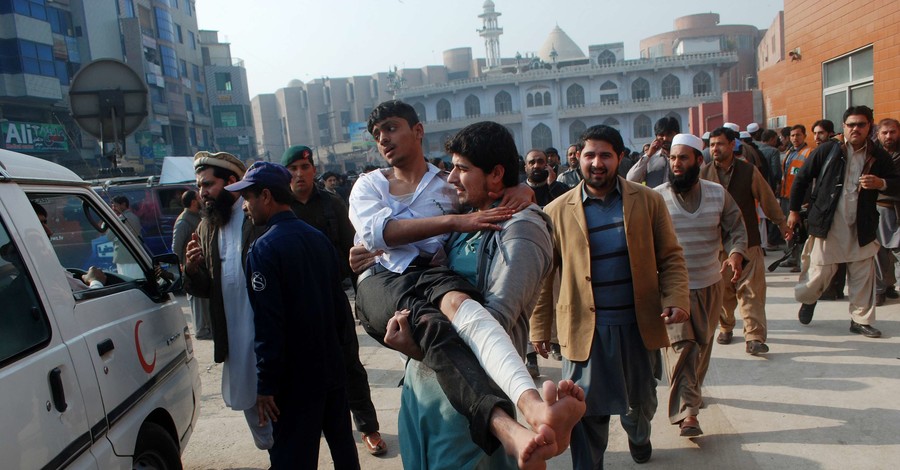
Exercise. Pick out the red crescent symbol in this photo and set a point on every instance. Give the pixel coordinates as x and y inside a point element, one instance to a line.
<point>148,368</point>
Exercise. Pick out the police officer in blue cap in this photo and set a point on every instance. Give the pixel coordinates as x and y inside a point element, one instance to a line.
<point>294,284</point>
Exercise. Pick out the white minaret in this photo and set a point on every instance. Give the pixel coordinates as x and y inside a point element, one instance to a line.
<point>491,34</point>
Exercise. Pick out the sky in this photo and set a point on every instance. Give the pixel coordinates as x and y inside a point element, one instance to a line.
<point>282,40</point>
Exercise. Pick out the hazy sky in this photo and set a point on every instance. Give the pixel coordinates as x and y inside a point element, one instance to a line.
<point>281,40</point>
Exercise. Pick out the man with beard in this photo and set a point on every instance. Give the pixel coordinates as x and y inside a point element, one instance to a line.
<point>823,131</point>
<point>653,166</point>
<point>618,290</point>
<point>299,309</point>
<point>843,219</point>
<point>705,218</point>
<point>748,188</point>
<point>537,174</point>
<point>214,269</point>
<point>572,175</point>
<point>326,212</point>
<point>185,225</point>
<point>888,211</point>
<point>552,159</point>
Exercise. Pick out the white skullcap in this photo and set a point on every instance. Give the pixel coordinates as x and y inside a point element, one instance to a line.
<point>688,139</point>
<point>745,135</point>
<point>732,126</point>
<point>752,127</point>
<point>706,136</point>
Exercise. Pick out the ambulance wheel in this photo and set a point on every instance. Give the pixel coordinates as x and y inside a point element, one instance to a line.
<point>155,450</point>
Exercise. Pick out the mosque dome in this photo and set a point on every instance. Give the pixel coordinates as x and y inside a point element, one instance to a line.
<point>565,47</point>
<point>295,83</point>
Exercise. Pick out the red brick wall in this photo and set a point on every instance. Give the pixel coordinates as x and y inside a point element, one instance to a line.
<point>824,31</point>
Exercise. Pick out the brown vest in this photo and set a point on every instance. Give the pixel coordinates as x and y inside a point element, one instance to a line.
<point>741,189</point>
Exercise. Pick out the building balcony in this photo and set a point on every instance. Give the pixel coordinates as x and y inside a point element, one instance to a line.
<point>589,70</point>
<point>635,106</point>
<point>443,125</point>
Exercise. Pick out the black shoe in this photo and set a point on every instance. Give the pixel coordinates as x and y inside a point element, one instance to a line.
<point>806,313</point>
<point>891,293</point>
<point>531,365</point>
<point>724,337</point>
<point>755,348</point>
<point>640,453</point>
<point>868,331</point>
<point>879,299</point>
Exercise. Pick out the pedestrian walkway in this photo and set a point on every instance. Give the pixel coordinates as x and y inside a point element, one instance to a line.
<point>823,398</point>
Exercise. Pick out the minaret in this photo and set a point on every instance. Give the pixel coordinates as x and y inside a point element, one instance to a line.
<point>491,34</point>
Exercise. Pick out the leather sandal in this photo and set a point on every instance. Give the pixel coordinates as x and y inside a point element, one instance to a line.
<point>374,444</point>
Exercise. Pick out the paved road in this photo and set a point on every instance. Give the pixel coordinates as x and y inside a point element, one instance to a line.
<point>823,398</point>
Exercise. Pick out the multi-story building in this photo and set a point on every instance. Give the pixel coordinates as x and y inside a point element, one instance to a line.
<point>820,60</point>
<point>545,99</point>
<point>228,98</point>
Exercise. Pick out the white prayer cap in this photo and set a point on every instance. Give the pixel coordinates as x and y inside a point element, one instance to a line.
<point>688,139</point>
<point>732,126</point>
<point>706,136</point>
<point>752,127</point>
<point>745,135</point>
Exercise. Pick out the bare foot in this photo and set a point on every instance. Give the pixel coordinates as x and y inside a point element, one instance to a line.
<point>531,450</point>
<point>564,407</point>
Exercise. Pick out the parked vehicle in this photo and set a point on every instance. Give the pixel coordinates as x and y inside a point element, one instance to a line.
<point>100,377</point>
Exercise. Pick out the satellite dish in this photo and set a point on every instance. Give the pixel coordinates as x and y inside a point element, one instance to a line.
<point>108,101</point>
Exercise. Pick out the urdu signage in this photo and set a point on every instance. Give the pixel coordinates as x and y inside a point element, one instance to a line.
<point>32,137</point>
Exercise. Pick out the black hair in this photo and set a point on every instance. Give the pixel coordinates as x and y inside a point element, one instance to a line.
<point>188,197</point>
<point>281,194</point>
<point>824,124</point>
<point>392,108</point>
<point>218,172</point>
<point>799,127</point>
<point>122,200</point>
<point>768,134</point>
<point>551,150</point>
<point>606,134</point>
<point>487,144</point>
<point>38,209</point>
<point>889,121</point>
<point>786,131</point>
<point>861,111</point>
<point>666,125</point>
<point>329,174</point>
<point>722,131</point>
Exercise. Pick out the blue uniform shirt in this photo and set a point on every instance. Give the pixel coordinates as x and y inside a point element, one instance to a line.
<point>293,279</point>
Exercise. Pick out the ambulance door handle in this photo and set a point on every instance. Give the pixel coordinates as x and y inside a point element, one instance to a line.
<point>105,346</point>
<point>56,390</point>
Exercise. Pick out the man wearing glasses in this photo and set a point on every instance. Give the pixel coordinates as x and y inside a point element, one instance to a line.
<point>843,218</point>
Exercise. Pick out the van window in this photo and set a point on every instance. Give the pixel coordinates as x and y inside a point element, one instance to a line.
<point>83,237</point>
<point>23,325</point>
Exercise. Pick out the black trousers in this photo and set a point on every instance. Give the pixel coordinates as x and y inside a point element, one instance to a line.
<point>305,417</point>
<point>467,386</point>
<point>358,393</point>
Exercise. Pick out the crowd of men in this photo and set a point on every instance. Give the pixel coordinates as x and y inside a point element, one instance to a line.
<point>474,269</point>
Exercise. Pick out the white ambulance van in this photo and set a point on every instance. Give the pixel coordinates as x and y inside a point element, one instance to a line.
<point>98,375</point>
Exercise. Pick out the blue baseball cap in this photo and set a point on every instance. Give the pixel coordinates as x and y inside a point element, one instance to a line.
<point>265,174</point>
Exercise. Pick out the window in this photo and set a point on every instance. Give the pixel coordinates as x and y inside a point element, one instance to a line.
<point>642,127</point>
<point>702,84</point>
<point>179,34</point>
<point>606,58</point>
<point>188,103</point>
<point>611,122</point>
<point>192,135</point>
<point>502,103</point>
<point>538,99</point>
<point>575,96</point>
<point>169,61</point>
<point>228,116</point>
<point>529,100</point>
<point>541,137</point>
<point>223,81</point>
<point>33,8</point>
<point>443,110</point>
<point>575,130</point>
<point>848,81</point>
<point>640,90</point>
<point>60,21</point>
<point>420,111</point>
<point>671,87</point>
<point>23,324</point>
<point>196,69</point>
<point>36,59</point>
<point>473,106</point>
<point>609,93</point>
<point>547,98</point>
<point>192,39</point>
<point>184,72</point>
<point>164,27</point>
<point>201,108</point>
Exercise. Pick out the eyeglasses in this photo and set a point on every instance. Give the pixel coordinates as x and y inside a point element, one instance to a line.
<point>851,125</point>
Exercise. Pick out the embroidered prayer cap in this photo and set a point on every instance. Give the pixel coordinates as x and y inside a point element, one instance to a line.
<point>220,159</point>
